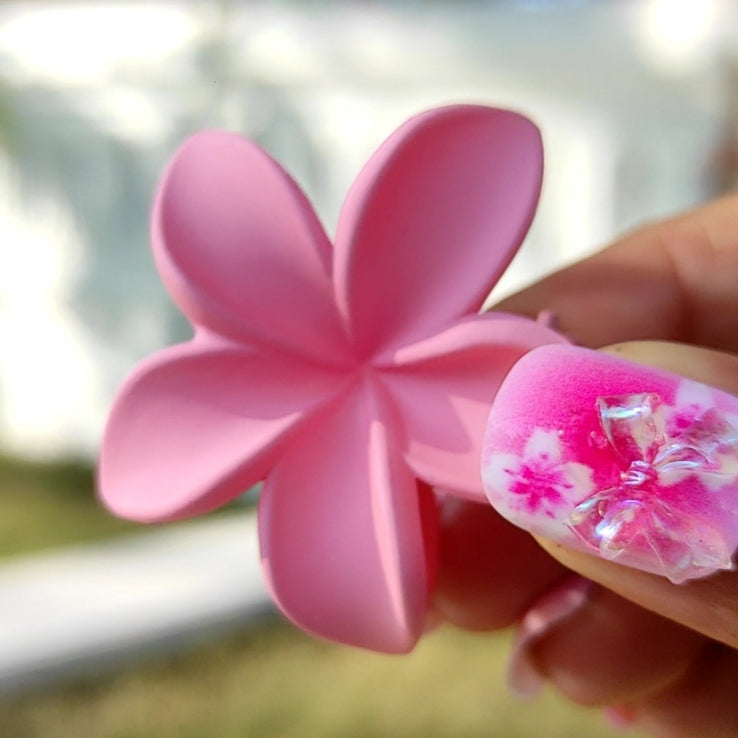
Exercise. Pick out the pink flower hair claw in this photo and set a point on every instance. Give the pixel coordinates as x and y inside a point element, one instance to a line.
<point>350,378</point>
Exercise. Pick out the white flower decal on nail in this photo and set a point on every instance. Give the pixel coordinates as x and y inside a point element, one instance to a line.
<point>538,482</point>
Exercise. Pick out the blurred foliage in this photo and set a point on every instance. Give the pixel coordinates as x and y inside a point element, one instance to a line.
<point>270,681</point>
<point>45,505</point>
<point>273,682</point>
<point>51,504</point>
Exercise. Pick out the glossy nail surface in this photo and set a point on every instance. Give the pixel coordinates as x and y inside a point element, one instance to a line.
<point>549,611</point>
<point>632,463</point>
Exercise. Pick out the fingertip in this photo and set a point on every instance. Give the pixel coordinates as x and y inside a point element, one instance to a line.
<point>489,571</point>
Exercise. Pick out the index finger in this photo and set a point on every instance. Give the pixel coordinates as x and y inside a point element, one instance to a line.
<point>676,280</point>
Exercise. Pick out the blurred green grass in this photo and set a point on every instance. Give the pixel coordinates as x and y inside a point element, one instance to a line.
<point>46,505</point>
<point>269,681</point>
<point>272,682</point>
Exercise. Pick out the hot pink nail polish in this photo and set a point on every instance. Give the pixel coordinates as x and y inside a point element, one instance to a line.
<point>615,458</point>
<point>550,610</point>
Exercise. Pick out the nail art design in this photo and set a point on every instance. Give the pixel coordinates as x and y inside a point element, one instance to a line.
<point>538,481</point>
<point>629,462</point>
<point>612,519</point>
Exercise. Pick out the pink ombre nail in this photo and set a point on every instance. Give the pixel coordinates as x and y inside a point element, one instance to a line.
<point>549,611</point>
<point>615,458</point>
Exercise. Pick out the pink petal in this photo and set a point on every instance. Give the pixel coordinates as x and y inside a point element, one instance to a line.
<point>433,220</point>
<point>199,423</point>
<point>240,248</point>
<point>341,533</point>
<point>444,388</point>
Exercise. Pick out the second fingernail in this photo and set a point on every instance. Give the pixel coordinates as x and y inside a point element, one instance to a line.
<point>620,717</point>
<point>618,459</point>
<point>550,610</point>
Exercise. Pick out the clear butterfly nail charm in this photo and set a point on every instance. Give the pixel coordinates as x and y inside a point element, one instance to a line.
<point>633,512</point>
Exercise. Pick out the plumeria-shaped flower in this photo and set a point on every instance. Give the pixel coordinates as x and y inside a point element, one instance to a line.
<point>340,375</point>
<point>660,447</point>
<point>539,482</point>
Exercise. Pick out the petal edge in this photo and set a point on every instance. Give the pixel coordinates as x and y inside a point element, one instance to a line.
<point>342,542</point>
<point>444,387</point>
<point>197,424</point>
<point>433,220</point>
<point>241,250</point>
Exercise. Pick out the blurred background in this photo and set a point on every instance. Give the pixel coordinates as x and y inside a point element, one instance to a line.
<point>108,631</point>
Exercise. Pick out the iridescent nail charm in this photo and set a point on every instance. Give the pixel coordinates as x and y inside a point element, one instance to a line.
<point>645,506</point>
<point>632,463</point>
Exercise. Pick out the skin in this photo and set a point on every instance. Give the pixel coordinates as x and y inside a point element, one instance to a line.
<point>665,295</point>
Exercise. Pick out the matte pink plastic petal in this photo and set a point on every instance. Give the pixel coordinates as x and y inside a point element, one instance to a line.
<point>188,434</point>
<point>241,250</point>
<point>433,220</point>
<point>338,381</point>
<point>341,534</point>
<point>444,388</point>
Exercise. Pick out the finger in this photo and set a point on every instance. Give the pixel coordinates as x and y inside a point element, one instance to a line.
<point>708,606</point>
<point>666,678</point>
<point>651,283</point>
<point>702,703</point>
<point>715,368</point>
<point>675,280</point>
<point>489,570</point>
<point>606,651</point>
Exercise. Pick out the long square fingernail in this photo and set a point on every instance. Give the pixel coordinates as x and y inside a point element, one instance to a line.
<point>618,459</point>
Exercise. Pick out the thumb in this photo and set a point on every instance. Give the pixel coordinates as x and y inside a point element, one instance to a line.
<point>624,465</point>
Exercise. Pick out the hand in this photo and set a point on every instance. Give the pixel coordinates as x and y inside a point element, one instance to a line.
<point>664,654</point>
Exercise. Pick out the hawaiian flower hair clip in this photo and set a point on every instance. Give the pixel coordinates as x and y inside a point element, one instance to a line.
<point>352,378</point>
